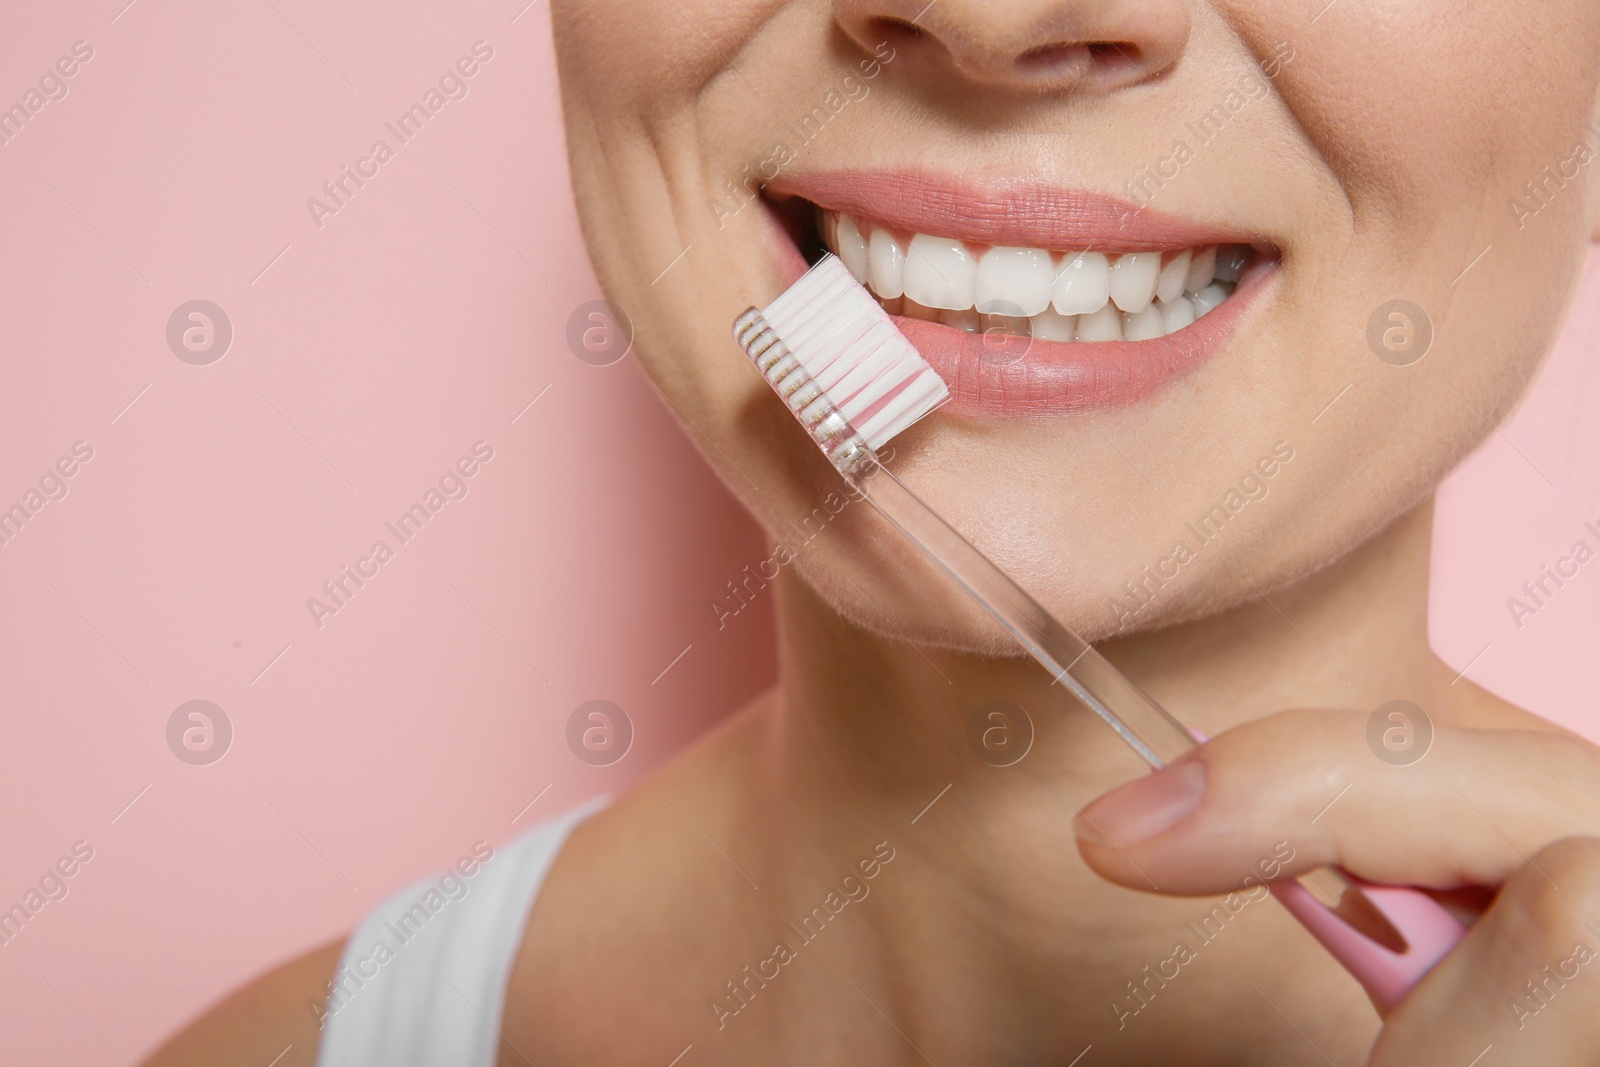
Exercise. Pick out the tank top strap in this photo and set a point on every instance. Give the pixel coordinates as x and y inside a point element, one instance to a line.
<point>422,981</point>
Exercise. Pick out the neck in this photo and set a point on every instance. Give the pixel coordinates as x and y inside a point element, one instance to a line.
<point>869,739</point>
<point>1352,635</point>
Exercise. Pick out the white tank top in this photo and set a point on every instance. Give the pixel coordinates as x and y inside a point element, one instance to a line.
<point>422,981</point>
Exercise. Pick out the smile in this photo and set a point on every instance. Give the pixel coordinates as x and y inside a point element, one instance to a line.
<point>1033,301</point>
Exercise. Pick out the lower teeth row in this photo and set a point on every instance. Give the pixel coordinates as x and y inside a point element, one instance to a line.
<point>1107,324</point>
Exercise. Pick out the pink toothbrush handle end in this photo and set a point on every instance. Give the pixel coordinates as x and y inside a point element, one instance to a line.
<point>1429,930</point>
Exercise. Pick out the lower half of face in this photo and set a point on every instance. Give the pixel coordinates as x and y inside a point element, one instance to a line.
<point>1205,332</point>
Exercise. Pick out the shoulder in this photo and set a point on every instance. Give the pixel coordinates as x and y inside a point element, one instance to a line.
<point>275,1014</point>
<point>477,904</point>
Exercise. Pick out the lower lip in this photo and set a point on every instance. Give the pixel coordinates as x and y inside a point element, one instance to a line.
<point>997,374</point>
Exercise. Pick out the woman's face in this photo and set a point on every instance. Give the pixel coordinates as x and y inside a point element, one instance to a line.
<point>1046,157</point>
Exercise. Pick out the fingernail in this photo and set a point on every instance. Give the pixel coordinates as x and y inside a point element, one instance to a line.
<point>1144,808</point>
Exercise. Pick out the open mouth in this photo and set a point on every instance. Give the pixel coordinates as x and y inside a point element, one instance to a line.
<point>1035,301</point>
<point>1053,295</point>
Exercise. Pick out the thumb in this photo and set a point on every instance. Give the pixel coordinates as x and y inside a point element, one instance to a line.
<point>1303,789</point>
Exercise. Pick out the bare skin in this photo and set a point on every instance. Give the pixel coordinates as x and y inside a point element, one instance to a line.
<point>999,932</point>
<point>258,1022</point>
<point>987,938</point>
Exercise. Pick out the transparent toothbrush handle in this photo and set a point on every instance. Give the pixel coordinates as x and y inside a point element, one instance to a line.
<point>1388,937</point>
<point>1071,661</point>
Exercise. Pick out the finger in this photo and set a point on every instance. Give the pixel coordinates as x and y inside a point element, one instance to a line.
<point>1524,987</point>
<point>1303,789</point>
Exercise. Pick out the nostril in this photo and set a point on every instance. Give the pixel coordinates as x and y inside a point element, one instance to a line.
<point>1109,60</point>
<point>894,30</point>
<point>1051,57</point>
<point>1117,53</point>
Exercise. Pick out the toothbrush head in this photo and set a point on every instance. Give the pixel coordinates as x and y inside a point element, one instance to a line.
<point>837,360</point>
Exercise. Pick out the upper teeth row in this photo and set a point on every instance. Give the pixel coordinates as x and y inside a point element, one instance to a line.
<point>942,272</point>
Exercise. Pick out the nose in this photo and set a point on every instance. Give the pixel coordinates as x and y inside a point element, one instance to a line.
<point>1035,46</point>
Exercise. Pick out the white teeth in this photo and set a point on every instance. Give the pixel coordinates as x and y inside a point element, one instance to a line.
<point>1230,261</point>
<point>1082,285</point>
<point>1133,280</point>
<point>940,272</point>
<point>1051,325</point>
<point>1202,269</point>
<point>1143,325</point>
<point>1208,298</point>
<point>886,265</point>
<point>851,247</point>
<point>1102,325</point>
<point>1175,314</point>
<point>1169,283</point>
<point>1088,297</point>
<point>1014,281</point>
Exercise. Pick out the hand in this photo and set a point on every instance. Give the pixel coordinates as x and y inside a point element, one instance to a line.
<point>1502,809</point>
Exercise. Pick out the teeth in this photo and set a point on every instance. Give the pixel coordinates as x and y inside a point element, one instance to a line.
<point>1051,325</point>
<point>852,248</point>
<point>1208,298</point>
<point>1202,269</point>
<point>1102,325</point>
<point>1133,280</point>
<point>1175,314</point>
<point>1169,284</point>
<point>1143,325</point>
<point>1016,324</point>
<point>1082,285</point>
<point>1014,281</point>
<point>940,272</point>
<point>1060,297</point>
<point>886,265</point>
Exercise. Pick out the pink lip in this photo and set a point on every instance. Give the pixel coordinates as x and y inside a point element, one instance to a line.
<point>1021,213</point>
<point>997,374</point>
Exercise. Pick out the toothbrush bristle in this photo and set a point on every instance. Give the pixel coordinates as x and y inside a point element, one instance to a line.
<point>850,347</point>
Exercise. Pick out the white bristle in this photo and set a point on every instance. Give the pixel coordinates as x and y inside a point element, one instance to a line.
<point>849,345</point>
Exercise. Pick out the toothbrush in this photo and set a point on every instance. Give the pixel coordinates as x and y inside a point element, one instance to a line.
<point>849,375</point>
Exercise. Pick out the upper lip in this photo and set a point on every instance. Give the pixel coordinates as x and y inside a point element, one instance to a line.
<point>1018,212</point>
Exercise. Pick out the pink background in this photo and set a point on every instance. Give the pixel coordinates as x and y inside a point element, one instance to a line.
<point>368,354</point>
